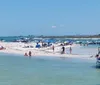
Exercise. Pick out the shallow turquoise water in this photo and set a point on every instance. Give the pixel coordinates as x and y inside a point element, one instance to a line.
<point>18,70</point>
<point>91,46</point>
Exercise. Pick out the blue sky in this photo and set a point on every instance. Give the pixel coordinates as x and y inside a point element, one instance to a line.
<point>49,17</point>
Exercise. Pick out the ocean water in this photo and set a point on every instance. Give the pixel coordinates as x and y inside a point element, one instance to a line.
<point>9,38</point>
<point>18,70</point>
<point>92,46</point>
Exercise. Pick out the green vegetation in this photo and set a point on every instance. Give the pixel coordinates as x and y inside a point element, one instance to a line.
<point>71,36</point>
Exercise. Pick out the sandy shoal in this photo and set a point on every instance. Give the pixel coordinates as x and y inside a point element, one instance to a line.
<point>77,51</point>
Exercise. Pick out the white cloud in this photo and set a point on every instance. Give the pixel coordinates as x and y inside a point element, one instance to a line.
<point>54,26</point>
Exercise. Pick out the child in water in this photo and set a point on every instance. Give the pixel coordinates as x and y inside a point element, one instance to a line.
<point>25,54</point>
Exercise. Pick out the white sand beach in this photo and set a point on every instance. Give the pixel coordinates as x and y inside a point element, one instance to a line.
<point>20,48</point>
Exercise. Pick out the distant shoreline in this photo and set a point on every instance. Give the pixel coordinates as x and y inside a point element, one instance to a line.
<point>63,36</point>
<point>72,36</point>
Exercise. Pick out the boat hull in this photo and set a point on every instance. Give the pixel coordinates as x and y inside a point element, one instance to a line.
<point>98,63</point>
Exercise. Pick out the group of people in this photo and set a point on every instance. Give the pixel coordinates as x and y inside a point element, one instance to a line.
<point>28,54</point>
<point>53,48</point>
<point>63,49</point>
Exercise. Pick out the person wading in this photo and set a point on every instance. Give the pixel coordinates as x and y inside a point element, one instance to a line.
<point>30,53</point>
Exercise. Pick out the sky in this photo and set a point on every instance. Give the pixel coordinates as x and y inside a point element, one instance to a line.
<point>49,17</point>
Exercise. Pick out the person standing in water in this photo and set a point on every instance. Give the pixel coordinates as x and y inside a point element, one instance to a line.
<point>63,50</point>
<point>30,53</point>
<point>70,49</point>
<point>53,48</point>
